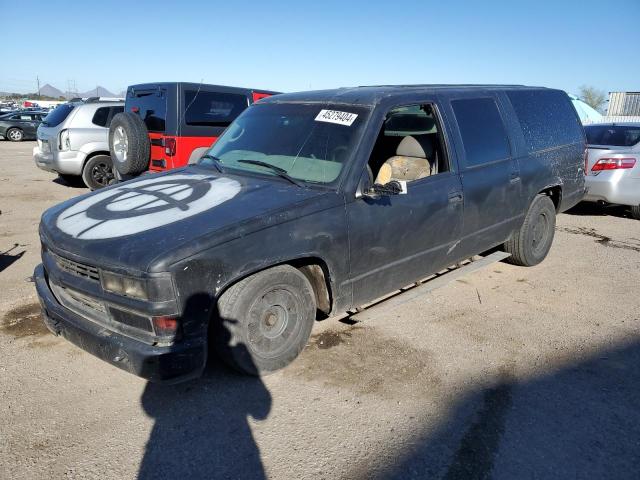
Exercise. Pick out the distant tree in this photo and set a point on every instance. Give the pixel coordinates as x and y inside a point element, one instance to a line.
<point>593,97</point>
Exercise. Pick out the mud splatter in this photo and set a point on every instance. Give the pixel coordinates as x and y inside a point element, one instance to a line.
<point>602,239</point>
<point>24,321</point>
<point>330,339</point>
<point>362,360</point>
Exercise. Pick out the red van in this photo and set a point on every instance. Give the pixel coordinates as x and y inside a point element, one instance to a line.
<point>170,125</point>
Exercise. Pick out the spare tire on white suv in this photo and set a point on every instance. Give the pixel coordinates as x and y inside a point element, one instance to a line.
<point>129,144</point>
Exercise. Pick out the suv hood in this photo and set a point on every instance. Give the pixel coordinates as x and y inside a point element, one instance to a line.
<point>167,217</point>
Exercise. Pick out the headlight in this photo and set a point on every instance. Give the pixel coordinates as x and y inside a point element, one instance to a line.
<point>127,286</point>
<point>65,141</point>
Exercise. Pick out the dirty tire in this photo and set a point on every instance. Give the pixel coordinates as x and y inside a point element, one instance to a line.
<point>14,134</point>
<point>264,320</point>
<point>635,211</point>
<point>98,172</point>
<point>530,244</point>
<point>129,143</point>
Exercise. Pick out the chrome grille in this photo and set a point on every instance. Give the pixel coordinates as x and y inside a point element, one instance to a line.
<point>78,269</point>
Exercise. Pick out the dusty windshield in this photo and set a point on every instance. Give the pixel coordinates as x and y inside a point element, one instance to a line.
<point>310,142</point>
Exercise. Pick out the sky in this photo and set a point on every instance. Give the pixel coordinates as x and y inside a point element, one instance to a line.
<point>299,45</point>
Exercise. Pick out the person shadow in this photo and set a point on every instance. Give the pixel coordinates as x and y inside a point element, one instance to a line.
<point>201,427</point>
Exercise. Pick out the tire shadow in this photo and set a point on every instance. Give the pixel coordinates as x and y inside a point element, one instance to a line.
<point>592,209</point>
<point>201,427</point>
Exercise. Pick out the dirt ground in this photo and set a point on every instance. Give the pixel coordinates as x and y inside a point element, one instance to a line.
<point>506,373</point>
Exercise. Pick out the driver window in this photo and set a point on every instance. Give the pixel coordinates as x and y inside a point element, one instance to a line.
<point>409,146</point>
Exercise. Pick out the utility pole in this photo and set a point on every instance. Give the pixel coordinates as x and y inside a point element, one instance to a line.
<point>38,81</point>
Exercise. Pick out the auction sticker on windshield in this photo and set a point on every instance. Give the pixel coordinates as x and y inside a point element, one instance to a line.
<point>335,116</point>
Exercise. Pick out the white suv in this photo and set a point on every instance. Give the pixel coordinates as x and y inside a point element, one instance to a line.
<point>73,140</point>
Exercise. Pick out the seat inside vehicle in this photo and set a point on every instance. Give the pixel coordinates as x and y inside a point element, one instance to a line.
<point>409,146</point>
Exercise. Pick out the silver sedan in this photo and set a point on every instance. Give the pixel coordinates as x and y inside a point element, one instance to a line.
<point>613,164</point>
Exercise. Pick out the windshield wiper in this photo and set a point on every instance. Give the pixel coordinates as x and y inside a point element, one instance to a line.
<point>216,161</point>
<point>281,172</point>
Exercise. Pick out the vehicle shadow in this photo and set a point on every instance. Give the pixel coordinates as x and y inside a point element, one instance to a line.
<point>7,259</point>
<point>593,209</point>
<point>70,182</point>
<point>202,426</point>
<point>582,421</point>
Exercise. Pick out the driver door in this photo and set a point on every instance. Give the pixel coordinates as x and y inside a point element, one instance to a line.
<point>395,240</point>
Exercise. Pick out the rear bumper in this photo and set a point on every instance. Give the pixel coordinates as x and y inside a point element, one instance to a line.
<point>67,163</point>
<point>617,186</point>
<point>171,364</point>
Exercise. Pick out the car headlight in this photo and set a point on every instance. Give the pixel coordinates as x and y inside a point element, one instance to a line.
<point>154,289</point>
<point>65,141</point>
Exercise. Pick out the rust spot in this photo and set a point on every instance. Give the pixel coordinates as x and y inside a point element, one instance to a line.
<point>24,321</point>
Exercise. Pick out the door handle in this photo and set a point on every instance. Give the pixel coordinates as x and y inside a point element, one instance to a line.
<point>455,197</point>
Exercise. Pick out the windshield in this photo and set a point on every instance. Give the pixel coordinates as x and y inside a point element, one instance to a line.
<point>58,115</point>
<point>310,142</point>
<point>613,135</point>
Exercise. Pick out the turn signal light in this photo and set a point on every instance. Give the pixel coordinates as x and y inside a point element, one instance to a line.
<point>165,326</point>
<point>613,164</point>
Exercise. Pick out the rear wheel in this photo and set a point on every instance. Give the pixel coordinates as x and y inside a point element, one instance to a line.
<point>98,172</point>
<point>635,211</point>
<point>15,135</point>
<point>530,244</point>
<point>265,320</point>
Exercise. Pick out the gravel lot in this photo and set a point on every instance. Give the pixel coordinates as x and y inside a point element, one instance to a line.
<point>506,373</point>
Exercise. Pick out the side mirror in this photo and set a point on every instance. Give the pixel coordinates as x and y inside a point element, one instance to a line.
<point>394,187</point>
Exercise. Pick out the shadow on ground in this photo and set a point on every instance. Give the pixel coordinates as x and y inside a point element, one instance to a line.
<point>9,257</point>
<point>595,209</point>
<point>201,428</point>
<point>579,422</point>
<point>72,181</point>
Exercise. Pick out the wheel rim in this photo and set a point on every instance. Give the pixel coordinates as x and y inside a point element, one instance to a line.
<point>15,135</point>
<point>273,322</point>
<point>120,144</point>
<point>102,173</point>
<point>540,232</point>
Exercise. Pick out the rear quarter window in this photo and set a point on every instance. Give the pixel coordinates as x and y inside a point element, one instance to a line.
<point>101,116</point>
<point>483,134</point>
<point>547,118</point>
<point>213,108</point>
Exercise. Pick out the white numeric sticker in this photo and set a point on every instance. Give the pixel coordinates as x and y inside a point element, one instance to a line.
<point>335,116</point>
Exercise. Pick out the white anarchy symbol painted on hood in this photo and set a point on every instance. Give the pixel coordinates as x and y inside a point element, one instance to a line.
<point>145,204</point>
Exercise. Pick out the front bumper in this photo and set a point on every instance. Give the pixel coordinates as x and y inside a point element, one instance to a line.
<point>616,186</point>
<point>66,163</point>
<point>175,363</point>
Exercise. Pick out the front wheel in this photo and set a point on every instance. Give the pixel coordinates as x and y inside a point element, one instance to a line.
<point>265,320</point>
<point>530,244</point>
<point>15,135</point>
<point>98,172</point>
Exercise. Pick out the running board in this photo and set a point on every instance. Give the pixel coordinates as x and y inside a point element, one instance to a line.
<point>427,285</point>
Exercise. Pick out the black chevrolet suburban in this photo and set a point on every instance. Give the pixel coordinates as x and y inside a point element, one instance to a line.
<point>310,204</point>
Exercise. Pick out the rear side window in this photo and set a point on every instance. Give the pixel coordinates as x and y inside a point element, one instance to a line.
<point>483,134</point>
<point>151,105</point>
<point>613,135</point>
<point>213,108</point>
<point>547,118</point>
<point>101,116</point>
<point>58,115</point>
